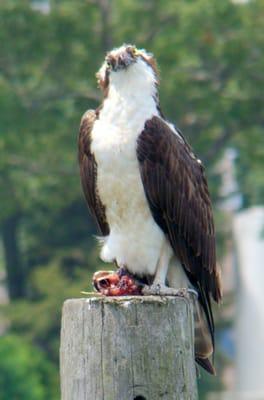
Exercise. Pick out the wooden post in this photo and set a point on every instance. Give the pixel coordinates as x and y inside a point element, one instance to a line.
<point>127,348</point>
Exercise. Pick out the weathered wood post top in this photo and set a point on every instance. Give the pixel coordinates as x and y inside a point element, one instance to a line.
<point>127,348</point>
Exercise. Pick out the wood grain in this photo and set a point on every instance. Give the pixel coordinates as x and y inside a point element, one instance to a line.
<point>121,348</point>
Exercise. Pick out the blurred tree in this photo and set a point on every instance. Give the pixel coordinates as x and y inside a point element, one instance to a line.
<point>208,51</point>
<point>50,286</point>
<point>41,57</point>
<point>211,62</point>
<point>25,373</point>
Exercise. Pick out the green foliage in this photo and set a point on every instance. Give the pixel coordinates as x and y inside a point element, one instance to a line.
<point>208,51</point>
<point>38,318</point>
<point>25,373</point>
<point>211,66</point>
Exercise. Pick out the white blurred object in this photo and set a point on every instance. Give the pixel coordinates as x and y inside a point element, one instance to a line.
<point>4,299</point>
<point>42,6</point>
<point>249,237</point>
<point>241,2</point>
<point>234,396</point>
<point>229,189</point>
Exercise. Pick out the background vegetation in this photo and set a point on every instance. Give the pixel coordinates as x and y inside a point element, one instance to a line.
<point>211,60</point>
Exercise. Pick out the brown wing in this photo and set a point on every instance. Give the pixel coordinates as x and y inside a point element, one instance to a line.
<point>88,171</point>
<point>177,193</point>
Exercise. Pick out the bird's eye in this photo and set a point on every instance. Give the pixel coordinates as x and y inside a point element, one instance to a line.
<point>131,50</point>
<point>135,52</point>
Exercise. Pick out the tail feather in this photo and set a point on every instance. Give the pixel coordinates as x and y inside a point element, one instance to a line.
<point>206,364</point>
<point>203,317</point>
<point>204,339</point>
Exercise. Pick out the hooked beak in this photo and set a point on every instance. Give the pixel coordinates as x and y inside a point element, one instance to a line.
<point>119,62</point>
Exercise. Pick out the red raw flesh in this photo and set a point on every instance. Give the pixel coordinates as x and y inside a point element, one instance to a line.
<point>111,283</point>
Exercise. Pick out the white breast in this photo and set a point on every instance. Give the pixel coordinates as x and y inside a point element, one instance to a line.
<point>135,240</point>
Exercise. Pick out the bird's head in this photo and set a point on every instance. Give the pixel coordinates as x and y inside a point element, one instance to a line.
<point>127,67</point>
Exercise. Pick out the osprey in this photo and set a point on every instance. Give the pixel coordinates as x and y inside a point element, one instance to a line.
<point>148,191</point>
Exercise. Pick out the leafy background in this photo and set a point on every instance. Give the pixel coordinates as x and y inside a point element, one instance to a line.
<point>210,55</point>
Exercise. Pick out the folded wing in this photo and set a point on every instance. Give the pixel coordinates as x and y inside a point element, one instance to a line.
<point>177,192</point>
<point>88,171</point>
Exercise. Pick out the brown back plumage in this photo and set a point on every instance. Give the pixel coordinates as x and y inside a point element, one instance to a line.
<point>177,192</point>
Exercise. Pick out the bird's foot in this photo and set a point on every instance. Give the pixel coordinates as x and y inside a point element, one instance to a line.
<point>122,283</point>
<point>163,290</point>
<point>116,283</point>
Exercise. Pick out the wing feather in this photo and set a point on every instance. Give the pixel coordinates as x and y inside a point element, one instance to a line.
<point>88,171</point>
<point>176,189</point>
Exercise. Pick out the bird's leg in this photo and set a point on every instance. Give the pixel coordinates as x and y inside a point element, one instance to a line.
<point>158,286</point>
